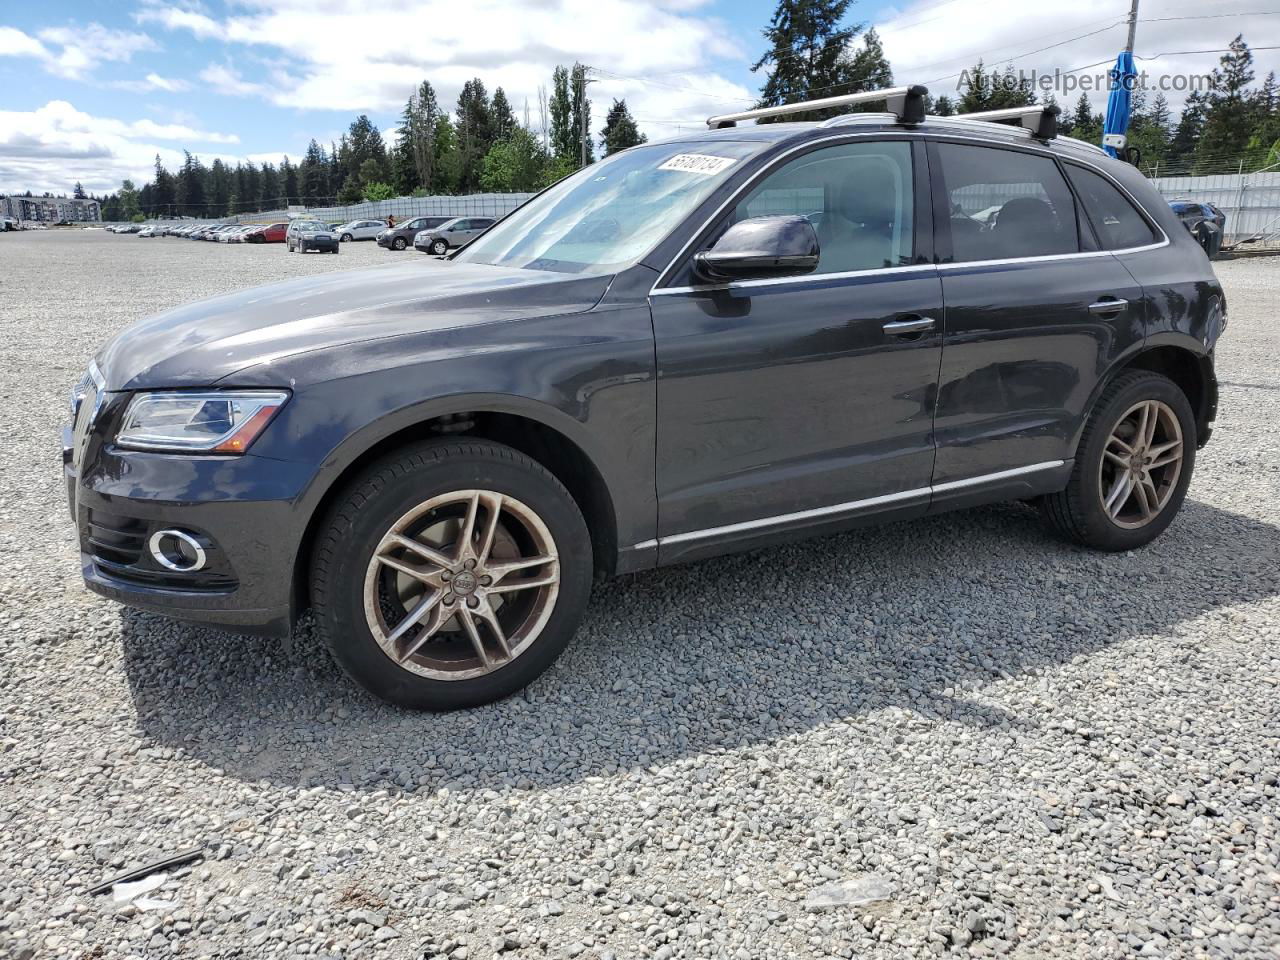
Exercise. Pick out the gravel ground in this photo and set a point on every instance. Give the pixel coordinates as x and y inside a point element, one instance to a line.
<point>1009,746</point>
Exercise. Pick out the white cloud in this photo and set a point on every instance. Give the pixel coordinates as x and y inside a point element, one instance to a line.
<point>80,49</point>
<point>153,82</point>
<point>514,44</point>
<point>15,43</point>
<point>54,146</point>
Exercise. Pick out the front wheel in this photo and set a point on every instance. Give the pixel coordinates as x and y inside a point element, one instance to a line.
<point>439,248</point>
<point>1132,467</point>
<point>451,574</point>
<point>399,243</point>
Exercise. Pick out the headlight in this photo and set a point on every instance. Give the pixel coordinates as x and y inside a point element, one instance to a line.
<point>216,422</point>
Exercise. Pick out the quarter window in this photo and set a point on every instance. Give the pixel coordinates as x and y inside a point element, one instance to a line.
<point>1005,204</point>
<point>1114,218</point>
<point>858,196</point>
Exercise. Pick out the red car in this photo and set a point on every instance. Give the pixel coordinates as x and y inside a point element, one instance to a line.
<point>271,233</point>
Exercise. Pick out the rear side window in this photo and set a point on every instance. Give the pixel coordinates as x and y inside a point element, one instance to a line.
<point>1115,220</point>
<point>1004,204</point>
<point>858,196</point>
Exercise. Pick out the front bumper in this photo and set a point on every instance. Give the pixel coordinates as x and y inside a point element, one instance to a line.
<point>317,243</point>
<point>241,508</point>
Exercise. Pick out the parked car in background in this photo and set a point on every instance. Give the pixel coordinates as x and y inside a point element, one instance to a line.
<point>304,235</point>
<point>268,233</point>
<point>360,230</point>
<point>402,234</point>
<point>1204,221</point>
<point>452,233</point>
<point>149,232</point>
<point>658,359</point>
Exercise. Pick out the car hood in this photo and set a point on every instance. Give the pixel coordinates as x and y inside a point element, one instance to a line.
<point>207,341</point>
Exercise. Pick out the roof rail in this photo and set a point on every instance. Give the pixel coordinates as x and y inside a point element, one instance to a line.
<point>1041,120</point>
<point>907,103</point>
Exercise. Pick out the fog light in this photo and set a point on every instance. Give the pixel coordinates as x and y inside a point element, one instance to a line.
<point>177,550</point>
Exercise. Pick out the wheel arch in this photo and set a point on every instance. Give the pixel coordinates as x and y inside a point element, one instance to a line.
<point>1183,360</point>
<point>550,438</point>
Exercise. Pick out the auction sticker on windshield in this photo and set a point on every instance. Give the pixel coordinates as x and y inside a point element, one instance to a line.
<point>697,163</point>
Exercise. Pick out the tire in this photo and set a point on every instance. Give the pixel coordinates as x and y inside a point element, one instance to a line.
<point>439,247</point>
<point>1080,512</point>
<point>345,238</point>
<point>420,491</point>
<point>334,250</point>
<point>399,243</point>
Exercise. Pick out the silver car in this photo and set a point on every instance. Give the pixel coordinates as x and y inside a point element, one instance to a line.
<point>360,230</point>
<point>454,233</point>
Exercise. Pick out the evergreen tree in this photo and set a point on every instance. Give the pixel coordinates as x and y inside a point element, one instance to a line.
<point>474,130</point>
<point>563,141</point>
<point>269,196</point>
<point>289,181</point>
<point>313,174</point>
<point>191,186</point>
<point>446,161</point>
<point>620,129</point>
<point>809,56</point>
<point>1187,134</point>
<point>502,121</point>
<point>426,114</point>
<point>129,207</point>
<point>79,193</point>
<point>364,142</point>
<point>219,193</point>
<point>944,107</point>
<point>163,197</point>
<point>1229,115</point>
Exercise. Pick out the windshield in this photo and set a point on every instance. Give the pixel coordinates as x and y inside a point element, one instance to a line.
<point>608,215</point>
<point>312,225</point>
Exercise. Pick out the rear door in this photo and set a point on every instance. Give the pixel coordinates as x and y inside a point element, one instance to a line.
<point>1035,314</point>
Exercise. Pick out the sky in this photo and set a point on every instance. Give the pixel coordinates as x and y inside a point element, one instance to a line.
<point>92,90</point>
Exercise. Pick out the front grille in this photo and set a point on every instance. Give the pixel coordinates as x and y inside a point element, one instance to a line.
<point>118,547</point>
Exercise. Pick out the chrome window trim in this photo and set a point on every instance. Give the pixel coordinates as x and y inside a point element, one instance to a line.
<point>799,278</point>
<point>852,506</point>
<point>1037,147</point>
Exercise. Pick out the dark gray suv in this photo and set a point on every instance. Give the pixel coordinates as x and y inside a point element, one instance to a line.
<point>708,344</point>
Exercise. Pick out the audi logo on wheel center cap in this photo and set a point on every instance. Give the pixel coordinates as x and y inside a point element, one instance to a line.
<point>464,583</point>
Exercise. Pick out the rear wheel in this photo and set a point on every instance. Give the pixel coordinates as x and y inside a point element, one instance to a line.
<point>1132,468</point>
<point>451,575</point>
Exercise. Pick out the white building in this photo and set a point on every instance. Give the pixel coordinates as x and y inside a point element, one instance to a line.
<point>51,209</point>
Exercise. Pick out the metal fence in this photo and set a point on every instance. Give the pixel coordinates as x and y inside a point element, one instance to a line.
<point>1251,201</point>
<point>402,208</point>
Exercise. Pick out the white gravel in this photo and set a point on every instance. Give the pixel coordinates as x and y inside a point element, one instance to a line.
<point>992,742</point>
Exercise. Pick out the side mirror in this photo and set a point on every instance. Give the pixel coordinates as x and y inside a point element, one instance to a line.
<point>760,247</point>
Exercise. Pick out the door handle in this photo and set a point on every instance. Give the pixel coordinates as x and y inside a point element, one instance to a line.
<point>1108,306</point>
<point>906,328</point>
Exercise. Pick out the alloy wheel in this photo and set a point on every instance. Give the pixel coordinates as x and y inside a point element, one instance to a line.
<point>1141,464</point>
<point>462,584</point>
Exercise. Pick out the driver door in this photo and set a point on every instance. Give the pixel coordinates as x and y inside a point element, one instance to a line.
<point>785,404</point>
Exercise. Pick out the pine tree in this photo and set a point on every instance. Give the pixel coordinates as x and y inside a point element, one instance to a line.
<point>501,120</point>
<point>191,186</point>
<point>79,193</point>
<point>1229,115</point>
<point>447,172</point>
<point>620,129</point>
<point>289,181</point>
<point>1188,132</point>
<point>269,197</point>
<point>944,107</point>
<point>314,174</point>
<point>869,69</point>
<point>364,142</point>
<point>808,55</point>
<point>474,132</point>
<point>163,197</point>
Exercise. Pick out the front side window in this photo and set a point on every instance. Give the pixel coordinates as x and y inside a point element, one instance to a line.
<point>858,196</point>
<point>1114,218</point>
<point>1005,204</point>
<point>605,217</point>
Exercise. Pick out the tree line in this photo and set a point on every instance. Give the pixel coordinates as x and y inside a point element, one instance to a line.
<point>480,146</point>
<point>812,53</point>
<point>1233,125</point>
